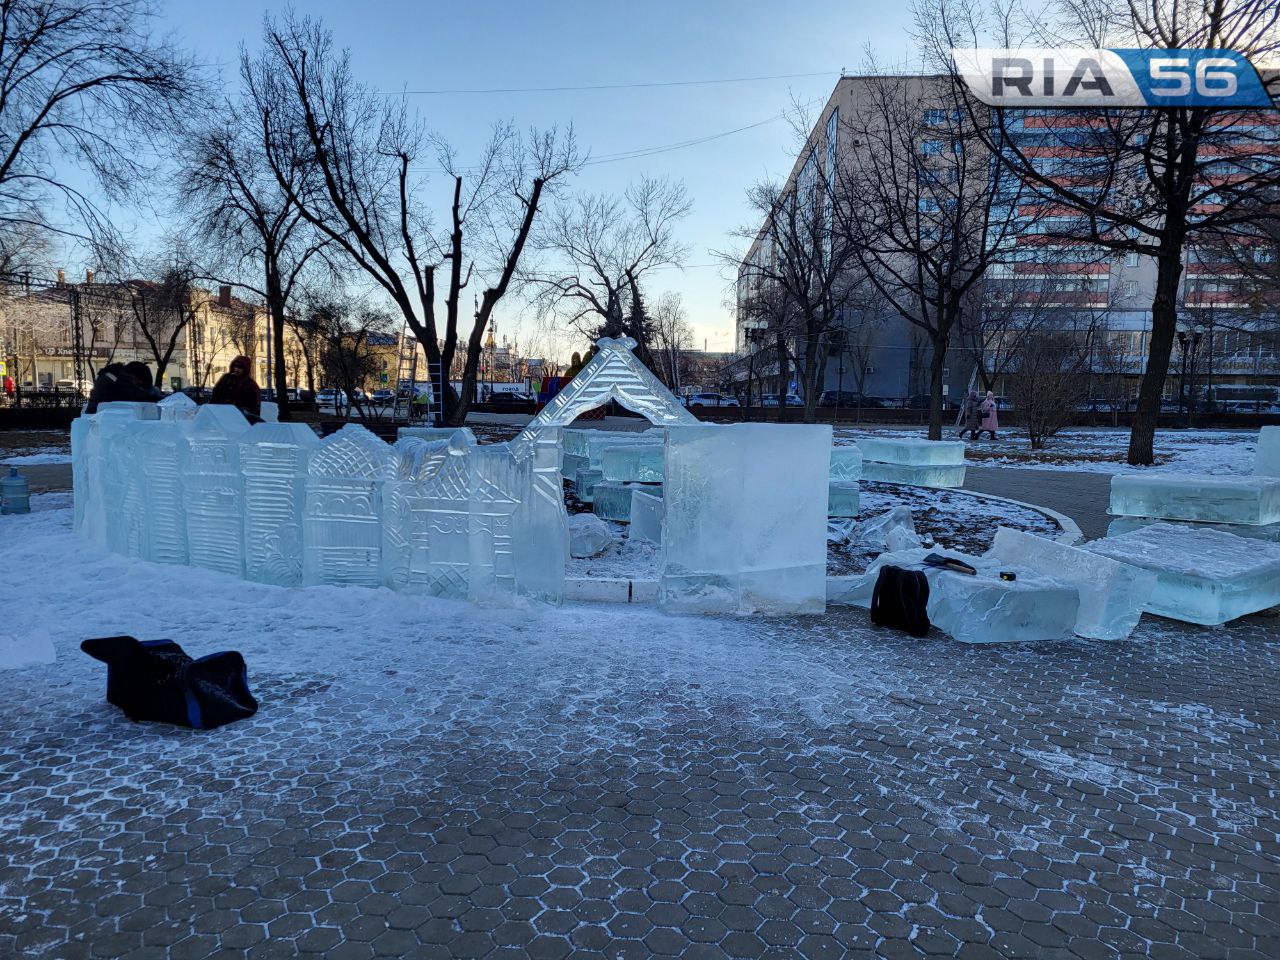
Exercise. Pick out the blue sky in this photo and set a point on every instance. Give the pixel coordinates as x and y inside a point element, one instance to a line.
<point>396,44</point>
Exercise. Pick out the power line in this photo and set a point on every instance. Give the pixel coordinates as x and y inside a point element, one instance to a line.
<point>610,86</point>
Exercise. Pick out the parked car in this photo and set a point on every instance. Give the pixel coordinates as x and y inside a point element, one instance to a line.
<point>71,385</point>
<point>710,400</point>
<point>329,397</point>
<point>383,397</point>
<point>199,394</point>
<point>848,398</point>
<point>771,400</point>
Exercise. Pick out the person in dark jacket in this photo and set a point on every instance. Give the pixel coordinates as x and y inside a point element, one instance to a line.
<point>118,383</point>
<point>237,388</point>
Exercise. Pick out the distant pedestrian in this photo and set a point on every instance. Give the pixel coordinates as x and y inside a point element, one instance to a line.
<point>990,421</point>
<point>970,417</point>
<point>237,389</point>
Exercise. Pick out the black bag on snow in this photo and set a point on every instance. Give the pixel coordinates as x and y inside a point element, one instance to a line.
<point>901,600</point>
<point>157,680</point>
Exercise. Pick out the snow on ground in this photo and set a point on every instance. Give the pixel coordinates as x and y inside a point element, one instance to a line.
<point>1099,450</point>
<point>23,447</point>
<point>51,455</point>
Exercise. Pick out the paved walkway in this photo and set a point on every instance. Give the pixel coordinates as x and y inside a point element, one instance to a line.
<point>1081,496</point>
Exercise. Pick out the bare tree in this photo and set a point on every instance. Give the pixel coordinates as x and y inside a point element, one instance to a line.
<point>601,248</point>
<point>1152,181</point>
<point>346,329</point>
<point>927,213</point>
<point>83,85</point>
<point>1049,378</point>
<point>262,241</point>
<point>363,154</point>
<point>672,339</point>
<point>164,310</point>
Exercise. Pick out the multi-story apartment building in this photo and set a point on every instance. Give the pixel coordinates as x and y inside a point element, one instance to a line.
<point>1229,326</point>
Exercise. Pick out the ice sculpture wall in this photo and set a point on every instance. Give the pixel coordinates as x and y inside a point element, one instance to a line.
<point>274,458</point>
<point>342,518</point>
<point>744,523</point>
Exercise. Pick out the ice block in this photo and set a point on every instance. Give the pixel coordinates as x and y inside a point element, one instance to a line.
<point>611,499</point>
<point>342,514</point>
<point>161,453</point>
<point>1257,531</point>
<point>637,462</point>
<point>1203,576</point>
<point>745,519</point>
<point>920,475</point>
<point>842,498</point>
<point>846,463</point>
<point>912,451</point>
<point>610,439</point>
<point>881,532</point>
<point>571,464</point>
<point>646,515</point>
<point>273,459</point>
<point>1266,461</point>
<point>436,433</point>
<point>177,406</point>
<point>213,489</point>
<point>1184,496</point>
<point>585,484</point>
<point>1112,594</point>
<point>589,536</point>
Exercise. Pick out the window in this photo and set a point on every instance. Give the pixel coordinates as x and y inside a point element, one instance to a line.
<point>930,148</point>
<point>1130,259</point>
<point>1131,288</point>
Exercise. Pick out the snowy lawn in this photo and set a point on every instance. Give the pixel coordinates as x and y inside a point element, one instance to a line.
<point>1098,450</point>
<point>431,779</point>
<point>21,447</point>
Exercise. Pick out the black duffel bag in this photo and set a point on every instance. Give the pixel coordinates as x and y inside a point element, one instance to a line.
<point>901,600</point>
<point>157,680</point>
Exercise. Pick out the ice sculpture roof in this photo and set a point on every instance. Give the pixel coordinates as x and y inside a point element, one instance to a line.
<point>613,373</point>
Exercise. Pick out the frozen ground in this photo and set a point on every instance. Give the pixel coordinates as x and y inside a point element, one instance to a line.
<point>1101,450</point>
<point>426,779</point>
<point>22,447</point>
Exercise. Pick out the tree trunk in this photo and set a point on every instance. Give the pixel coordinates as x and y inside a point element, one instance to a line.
<point>275,304</point>
<point>784,382</point>
<point>937,366</point>
<point>1164,326</point>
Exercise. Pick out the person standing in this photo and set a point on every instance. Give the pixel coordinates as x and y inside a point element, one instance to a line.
<point>990,421</point>
<point>238,389</point>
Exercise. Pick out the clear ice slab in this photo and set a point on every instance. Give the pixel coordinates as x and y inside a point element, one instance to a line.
<point>977,609</point>
<point>919,475</point>
<point>646,515</point>
<point>637,462</point>
<point>1183,496</point>
<point>912,451</point>
<point>1112,594</point>
<point>273,460</point>
<point>1257,531</point>
<point>1266,462</point>
<point>744,527</point>
<point>611,499</point>
<point>1203,576</point>
<point>846,462</point>
<point>842,498</point>
<point>585,483</point>
<point>436,433</point>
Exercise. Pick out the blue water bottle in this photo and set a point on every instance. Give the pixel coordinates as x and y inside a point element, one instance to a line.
<point>15,493</point>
